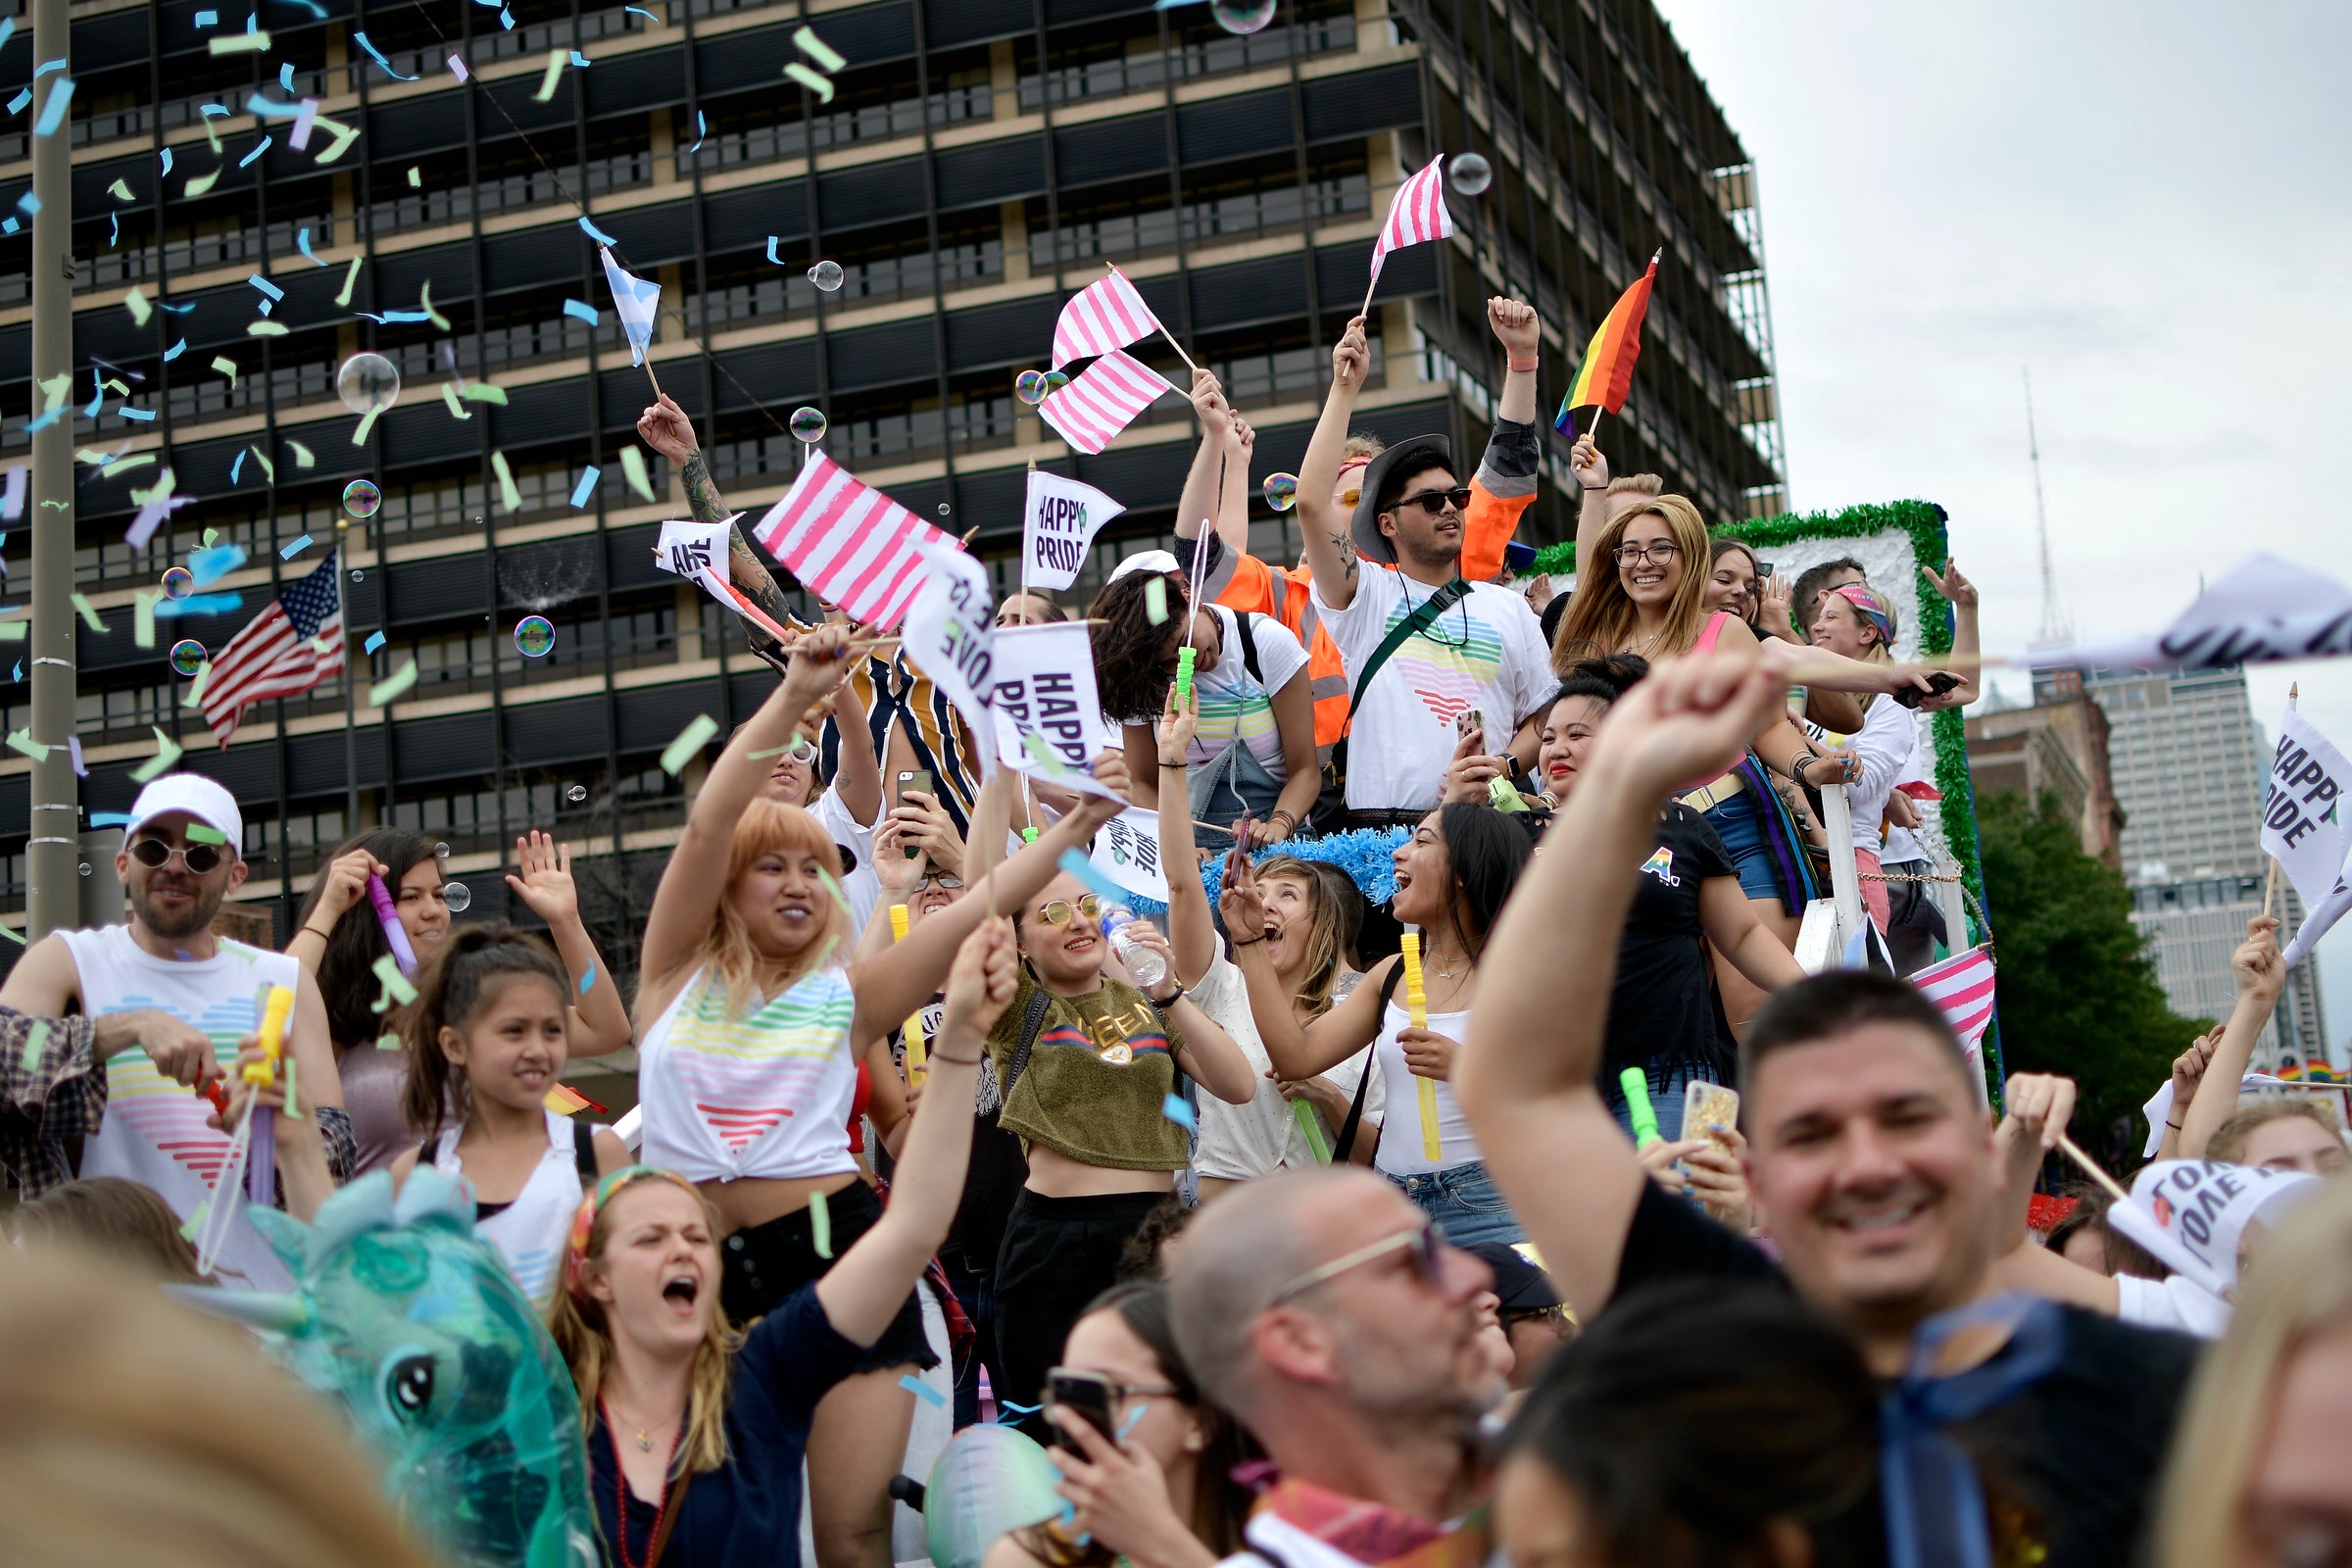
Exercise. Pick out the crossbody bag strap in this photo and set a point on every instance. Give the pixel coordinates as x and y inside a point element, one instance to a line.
<point>670,1516</point>
<point>1363,1085</point>
<point>1033,1020</point>
<point>1241,625</point>
<point>1424,615</point>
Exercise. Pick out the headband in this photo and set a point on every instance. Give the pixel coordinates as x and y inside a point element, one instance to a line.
<point>583,1222</point>
<point>1872,609</point>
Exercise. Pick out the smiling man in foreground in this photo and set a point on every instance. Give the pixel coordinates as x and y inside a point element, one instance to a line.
<point>1871,1164</point>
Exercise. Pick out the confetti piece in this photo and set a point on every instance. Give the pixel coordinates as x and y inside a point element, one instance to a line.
<point>259,148</point>
<point>293,1111</point>
<point>772,251</point>
<point>1182,1115</point>
<point>238,466</point>
<point>241,43</point>
<point>53,107</point>
<point>1156,600</point>
<point>195,1222</point>
<point>295,548</point>
<point>579,60</point>
<point>167,752</point>
<point>268,468</point>
<point>175,351</point>
<point>302,243</point>
<point>16,105</point>
<point>13,631</point>
<point>89,611</point>
<point>702,132</point>
<point>375,640</point>
<point>205,19</point>
<point>119,191</point>
<point>808,43</point>
<point>457,68</point>
<point>110,819</point>
<point>510,499</point>
<point>142,621</point>
<point>583,313</point>
<point>597,234</point>
<point>425,297</point>
<point>35,1038</point>
<point>588,980</point>
<point>212,564</point>
<point>143,417</point>
<point>195,696</point>
<point>206,835</point>
<point>484,392</point>
<point>923,1390</point>
<point>303,458</point>
<point>457,410</point>
<point>679,753</point>
<point>359,437</point>
<point>20,740</point>
<point>269,329</point>
<point>29,204</point>
<point>257,280</point>
<point>415,178</point>
<point>632,470</point>
<point>586,488</point>
<point>349,278</point>
<point>811,81</point>
<point>396,984</point>
<point>226,366</point>
<point>201,183</point>
<point>166,159</point>
<point>820,1226</point>
<point>114,466</point>
<point>305,116</point>
<point>384,692</point>
<point>387,1043</point>
<point>73,745</point>
<point>547,83</point>
<point>647,14</point>
<point>345,135</point>
<point>135,301</point>
<point>377,55</point>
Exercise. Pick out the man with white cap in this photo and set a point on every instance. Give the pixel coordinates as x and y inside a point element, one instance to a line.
<point>170,1002</point>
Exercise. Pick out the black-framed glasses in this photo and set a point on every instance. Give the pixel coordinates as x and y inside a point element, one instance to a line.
<point>1660,550</point>
<point>947,881</point>
<point>1434,501</point>
<point>1424,1245</point>
<point>1088,908</point>
<point>201,860</point>
<point>1120,1394</point>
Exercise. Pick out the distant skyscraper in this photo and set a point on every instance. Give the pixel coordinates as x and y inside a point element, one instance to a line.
<point>2186,763</point>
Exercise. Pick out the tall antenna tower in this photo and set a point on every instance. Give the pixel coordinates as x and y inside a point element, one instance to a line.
<point>2056,625</point>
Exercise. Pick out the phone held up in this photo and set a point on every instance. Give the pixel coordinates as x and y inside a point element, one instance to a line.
<point>919,781</point>
<point>1088,1395</point>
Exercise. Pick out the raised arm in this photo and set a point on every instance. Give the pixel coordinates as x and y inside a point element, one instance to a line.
<point>345,888</point>
<point>1591,471</point>
<point>857,773</point>
<point>599,1019</point>
<point>666,428</point>
<point>1967,657</point>
<point>695,878</point>
<point>1297,1053</point>
<point>1504,485</point>
<point>864,1292</point>
<point>1330,558</point>
<point>1232,499</point>
<point>1191,929</point>
<point>2261,977</point>
<point>1526,1076</point>
<point>1196,504</point>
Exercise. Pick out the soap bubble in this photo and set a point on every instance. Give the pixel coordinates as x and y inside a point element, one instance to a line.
<point>361,498</point>
<point>367,382</point>
<point>534,637</point>
<point>359,576</point>
<point>85,869</point>
<point>1056,381</point>
<point>826,276</point>
<point>440,852</point>
<point>1282,491</point>
<point>1243,16</point>
<point>1471,175</point>
<point>178,583</point>
<point>187,655</point>
<point>809,424</point>
<point>943,509</point>
<point>459,895</point>
<point>1030,387</point>
<point>576,794</point>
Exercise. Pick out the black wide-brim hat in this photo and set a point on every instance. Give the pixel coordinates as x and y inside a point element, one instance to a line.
<point>1406,457</point>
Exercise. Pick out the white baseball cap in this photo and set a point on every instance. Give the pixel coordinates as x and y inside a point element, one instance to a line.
<point>206,800</point>
<point>1161,561</point>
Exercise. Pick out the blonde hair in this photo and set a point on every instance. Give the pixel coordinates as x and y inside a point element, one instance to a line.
<point>2230,1140</point>
<point>1326,940</point>
<point>135,1431</point>
<point>766,827</point>
<point>113,1218</point>
<point>577,1325</point>
<point>2299,1284</point>
<point>1636,484</point>
<point>1601,618</point>
<point>1881,650</point>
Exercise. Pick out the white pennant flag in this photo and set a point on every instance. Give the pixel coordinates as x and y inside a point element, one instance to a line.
<point>1061,522</point>
<point>2303,826</point>
<point>1127,851</point>
<point>636,302</point>
<point>2261,611</point>
<point>2192,1213</point>
<point>1048,717</point>
<point>949,632</point>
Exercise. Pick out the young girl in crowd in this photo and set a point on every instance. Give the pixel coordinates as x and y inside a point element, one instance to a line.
<point>1161,1492</point>
<point>340,939</point>
<point>696,1431</point>
<point>487,1038</point>
<point>1857,623</point>
<point>746,1071</point>
<point>1452,876</point>
<point>113,1218</point>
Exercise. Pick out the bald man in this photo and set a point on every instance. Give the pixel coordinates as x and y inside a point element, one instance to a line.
<point>1322,1310</point>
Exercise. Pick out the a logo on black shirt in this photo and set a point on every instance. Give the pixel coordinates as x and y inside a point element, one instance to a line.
<point>1660,864</point>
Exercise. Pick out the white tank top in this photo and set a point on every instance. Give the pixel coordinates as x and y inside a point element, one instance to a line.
<point>154,1130</point>
<point>1400,1152</point>
<point>531,1232</point>
<point>766,1094</point>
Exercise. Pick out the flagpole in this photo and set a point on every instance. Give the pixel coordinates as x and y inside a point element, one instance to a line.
<point>1594,435</point>
<point>1366,308</point>
<point>1163,331</point>
<point>350,713</point>
<point>2115,1189</point>
<point>1025,544</point>
<point>650,376</point>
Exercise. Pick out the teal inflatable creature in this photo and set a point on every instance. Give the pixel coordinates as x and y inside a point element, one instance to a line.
<point>414,1323</point>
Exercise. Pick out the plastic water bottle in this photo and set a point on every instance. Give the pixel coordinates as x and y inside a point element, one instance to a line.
<point>1142,962</point>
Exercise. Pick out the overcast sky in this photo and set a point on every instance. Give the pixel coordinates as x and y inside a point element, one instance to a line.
<point>2146,203</point>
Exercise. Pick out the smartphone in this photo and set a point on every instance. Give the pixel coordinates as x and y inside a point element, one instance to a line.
<point>1912,696</point>
<point>1763,572</point>
<point>1470,722</point>
<point>1086,1393</point>
<point>1708,1109</point>
<point>918,779</point>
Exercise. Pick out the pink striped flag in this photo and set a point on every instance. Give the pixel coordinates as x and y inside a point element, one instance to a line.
<point>1417,212</point>
<point>1091,412</point>
<point>1961,987</point>
<point>848,543</point>
<point>1102,317</point>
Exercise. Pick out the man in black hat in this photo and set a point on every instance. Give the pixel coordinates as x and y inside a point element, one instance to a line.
<point>1423,649</point>
<point>1530,1312</point>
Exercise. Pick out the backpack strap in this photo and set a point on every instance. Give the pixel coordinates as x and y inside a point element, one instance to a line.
<point>583,1152</point>
<point>1240,620</point>
<point>1424,615</point>
<point>1032,1022</point>
<point>1363,1085</point>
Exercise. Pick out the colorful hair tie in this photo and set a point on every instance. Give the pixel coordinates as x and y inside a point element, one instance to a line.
<point>1872,608</point>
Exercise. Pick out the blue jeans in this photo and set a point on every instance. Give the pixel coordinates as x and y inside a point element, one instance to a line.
<point>1738,823</point>
<point>1666,1086</point>
<point>1465,1201</point>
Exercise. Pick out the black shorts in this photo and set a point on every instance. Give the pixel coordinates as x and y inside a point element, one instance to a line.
<point>759,1267</point>
<point>1058,1254</point>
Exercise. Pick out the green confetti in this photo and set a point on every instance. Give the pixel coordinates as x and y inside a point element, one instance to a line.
<point>167,752</point>
<point>270,330</point>
<point>679,753</point>
<point>195,696</point>
<point>90,612</point>
<point>510,499</point>
<point>226,366</point>
<point>390,1043</point>
<point>142,618</point>
<point>383,691</point>
<point>12,933</point>
<point>303,458</point>
<point>350,277</point>
<point>293,1105</point>
<point>820,1225</point>
<point>396,984</point>
<point>1156,600</point>
<point>20,740</point>
<point>34,1039</point>
<point>632,470</point>
<point>484,392</point>
<point>13,631</point>
<point>196,1220</point>
<point>833,887</point>
<point>135,301</point>
<point>359,436</point>
<point>206,835</point>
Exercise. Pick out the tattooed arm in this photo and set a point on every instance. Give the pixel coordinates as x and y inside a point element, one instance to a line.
<point>1330,555</point>
<point>666,428</point>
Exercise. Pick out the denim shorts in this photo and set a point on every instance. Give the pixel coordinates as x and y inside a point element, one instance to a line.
<point>1666,1086</point>
<point>1465,1201</point>
<point>1735,823</point>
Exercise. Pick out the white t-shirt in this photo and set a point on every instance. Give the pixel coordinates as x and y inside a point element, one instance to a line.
<point>2173,1303</point>
<point>1890,734</point>
<point>860,886</point>
<point>1233,704</point>
<point>1241,1143</point>
<point>1486,652</point>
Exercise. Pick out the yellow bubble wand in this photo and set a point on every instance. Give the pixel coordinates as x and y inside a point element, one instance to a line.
<point>914,1020</point>
<point>1416,1006</point>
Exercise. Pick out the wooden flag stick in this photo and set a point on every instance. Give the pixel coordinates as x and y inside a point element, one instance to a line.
<point>2115,1189</point>
<point>650,376</point>
<point>2269,886</point>
<point>1163,331</point>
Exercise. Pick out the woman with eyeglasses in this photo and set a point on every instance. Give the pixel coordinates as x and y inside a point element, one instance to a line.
<point>340,939</point>
<point>747,1064</point>
<point>1092,1066</point>
<point>1158,1490</point>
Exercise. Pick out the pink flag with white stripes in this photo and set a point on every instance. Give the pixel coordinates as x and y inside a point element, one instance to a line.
<point>848,543</point>
<point>1417,212</point>
<point>1091,412</point>
<point>1961,987</point>
<point>1102,317</point>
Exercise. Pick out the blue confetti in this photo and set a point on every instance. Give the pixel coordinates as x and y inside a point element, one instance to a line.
<point>1182,1115</point>
<point>268,109</point>
<point>237,466</point>
<point>208,567</point>
<point>46,67</point>
<point>375,640</point>
<point>579,60</point>
<point>647,14</point>
<point>175,309</point>
<point>53,109</point>
<point>702,132</point>
<point>505,17</point>
<point>585,488</point>
<point>1079,866</point>
<point>923,1392</point>
<point>8,30</point>
<point>204,18</point>
<point>29,204</point>
<point>215,110</point>
<point>198,605</point>
<point>295,548</point>
<point>584,313</point>
<point>113,232</point>
<point>302,243</point>
<point>143,415</point>
<point>166,159</point>
<point>97,397</point>
<point>377,55</point>
<point>266,286</point>
<point>772,251</point>
<point>588,980</point>
<point>259,148</point>
<point>110,819</point>
<point>595,233</point>
<point>285,71</point>
<point>177,350</point>
<point>16,105</point>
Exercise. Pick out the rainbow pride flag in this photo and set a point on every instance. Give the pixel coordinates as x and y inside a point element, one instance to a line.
<point>1607,374</point>
<point>566,1101</point>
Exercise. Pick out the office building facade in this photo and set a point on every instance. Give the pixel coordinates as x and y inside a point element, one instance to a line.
<point>965,163</point>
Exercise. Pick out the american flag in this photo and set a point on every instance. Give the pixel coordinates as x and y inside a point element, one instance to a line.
<point>1417,212</point>
<point>848,543</point>
<point>1091,412</point>
<point>1100,317</point>
<point>1961,987</point>
<point>288,649</point>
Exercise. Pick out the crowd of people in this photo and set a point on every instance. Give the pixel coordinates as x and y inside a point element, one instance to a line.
<point>1305,1227</point>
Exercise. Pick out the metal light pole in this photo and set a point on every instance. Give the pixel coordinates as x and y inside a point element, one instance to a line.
<point>54,888</point>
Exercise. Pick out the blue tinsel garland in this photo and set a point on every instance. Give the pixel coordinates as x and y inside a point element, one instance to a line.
<point>1362,852</point>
